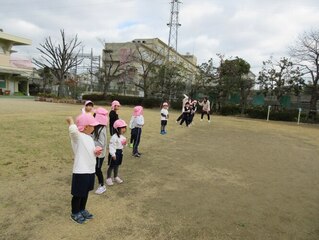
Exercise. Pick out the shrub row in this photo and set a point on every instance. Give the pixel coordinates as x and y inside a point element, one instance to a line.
<point>230,110</point>
<point>282,115</point>
<point>133,101</point>
<point>261,113</point>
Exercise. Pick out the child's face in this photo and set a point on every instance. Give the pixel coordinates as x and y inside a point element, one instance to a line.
<point>88,129</point>
<point>116,107</point>
<point>165,107</point>
<point>123,130</point>
<point>88,108</point>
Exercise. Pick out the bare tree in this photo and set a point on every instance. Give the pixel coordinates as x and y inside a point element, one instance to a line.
<point>306,53</point>
<point>148,60</point>
<point>113,68</point>
<point>59,58</point>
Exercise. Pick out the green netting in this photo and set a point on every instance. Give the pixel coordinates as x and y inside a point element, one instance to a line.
<point>285,101</point>
<point>258,100</point>
<point>234,98</point>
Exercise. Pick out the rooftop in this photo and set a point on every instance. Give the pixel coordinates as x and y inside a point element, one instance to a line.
<point>15,40</point>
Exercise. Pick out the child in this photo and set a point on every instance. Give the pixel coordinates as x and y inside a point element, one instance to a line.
<point>84,164</point>
<point>206,108</point>
<point>100,139</point>
<point>114,116</point>
<point>117,143</point>
<point>186,114</point>
<point>164,117</point>
<point>136,124</point>
<point>193,111</point>
<point>88,107</point>
<point>184,101</point>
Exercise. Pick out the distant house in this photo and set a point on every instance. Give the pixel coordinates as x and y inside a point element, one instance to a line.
<point>14,73</point>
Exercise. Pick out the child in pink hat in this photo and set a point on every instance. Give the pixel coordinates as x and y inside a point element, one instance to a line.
<point>117,143</point>
<point>164,117</point>
<point>84,164</point>
<point>88,107</point>
<point>136,124</point>
<point>114,115</point>
<point>100,140</point>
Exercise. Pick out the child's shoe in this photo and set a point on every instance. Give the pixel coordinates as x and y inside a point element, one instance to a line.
<point>118,180</point>
<point>78,218</point>
<point>100,189</point>
<point>209,121</point>
<point>86,214</point>
<point>136,155</point>
<point>131,145</point>
<point>109,182</point>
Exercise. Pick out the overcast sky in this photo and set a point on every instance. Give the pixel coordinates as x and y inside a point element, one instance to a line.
<point>251,29</point>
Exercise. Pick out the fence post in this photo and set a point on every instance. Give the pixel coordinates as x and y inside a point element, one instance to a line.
<point>268,112</point>
<point>299,116</point>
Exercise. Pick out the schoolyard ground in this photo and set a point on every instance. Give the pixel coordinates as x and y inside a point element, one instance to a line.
<point>234,178</point>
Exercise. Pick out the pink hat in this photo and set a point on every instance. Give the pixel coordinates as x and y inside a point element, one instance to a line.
<point>138,111</point>
<point>165,104</point>
<point>119,124</point>
<point>115,103</point>
<point>101,115</point>
<point>85,120</point>
<point>87,102</point>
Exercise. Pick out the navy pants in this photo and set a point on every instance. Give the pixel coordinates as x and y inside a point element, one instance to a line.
<point>205,113</point>
<point>185,119</point>
<point>98,171</point>
<point>114,164</point>
<point>136,136</point>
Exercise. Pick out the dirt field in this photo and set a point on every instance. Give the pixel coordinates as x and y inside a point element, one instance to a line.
<point>231,179</point>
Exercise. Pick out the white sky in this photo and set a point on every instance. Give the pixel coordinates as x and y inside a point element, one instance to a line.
<point>251,29</point>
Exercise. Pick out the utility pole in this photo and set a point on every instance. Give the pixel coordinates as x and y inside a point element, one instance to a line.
<point>173,29</point>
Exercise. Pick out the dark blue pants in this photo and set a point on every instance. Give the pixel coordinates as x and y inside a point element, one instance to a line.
<point>136,136</point>
<point>98,171</point>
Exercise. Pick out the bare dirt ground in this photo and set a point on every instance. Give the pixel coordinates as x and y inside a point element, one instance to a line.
<point>231,179</point>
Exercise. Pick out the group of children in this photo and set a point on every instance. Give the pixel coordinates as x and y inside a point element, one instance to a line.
<point>189,109</point>
<point>89,143</point>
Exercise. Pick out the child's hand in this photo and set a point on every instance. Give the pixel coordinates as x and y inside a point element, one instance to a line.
<point>113,158</point>
<point>98,150</point>
<point>69,120</point>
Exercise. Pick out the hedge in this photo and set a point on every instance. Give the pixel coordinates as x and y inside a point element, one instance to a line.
<point>282,115</point>
<point>129,100</point>
<point>230,110</point>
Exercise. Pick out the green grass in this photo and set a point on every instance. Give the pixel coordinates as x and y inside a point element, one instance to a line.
<point>231,179</point>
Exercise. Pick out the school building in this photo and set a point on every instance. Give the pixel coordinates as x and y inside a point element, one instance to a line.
<point>14,72</point>
<point>129,55</point>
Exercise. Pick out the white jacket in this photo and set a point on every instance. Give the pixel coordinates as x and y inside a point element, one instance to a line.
<point>83,149</point>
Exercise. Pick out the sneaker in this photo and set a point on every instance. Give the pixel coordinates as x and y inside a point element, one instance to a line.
<point>209,121</point>
<point>201,120</point>
<point>109,182</point>
<point>118,180</point>
<point>100,189</point>
<point>78,218</point>
<point>86,214</point>
<point>136,155</point>
<point>131,145</point>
